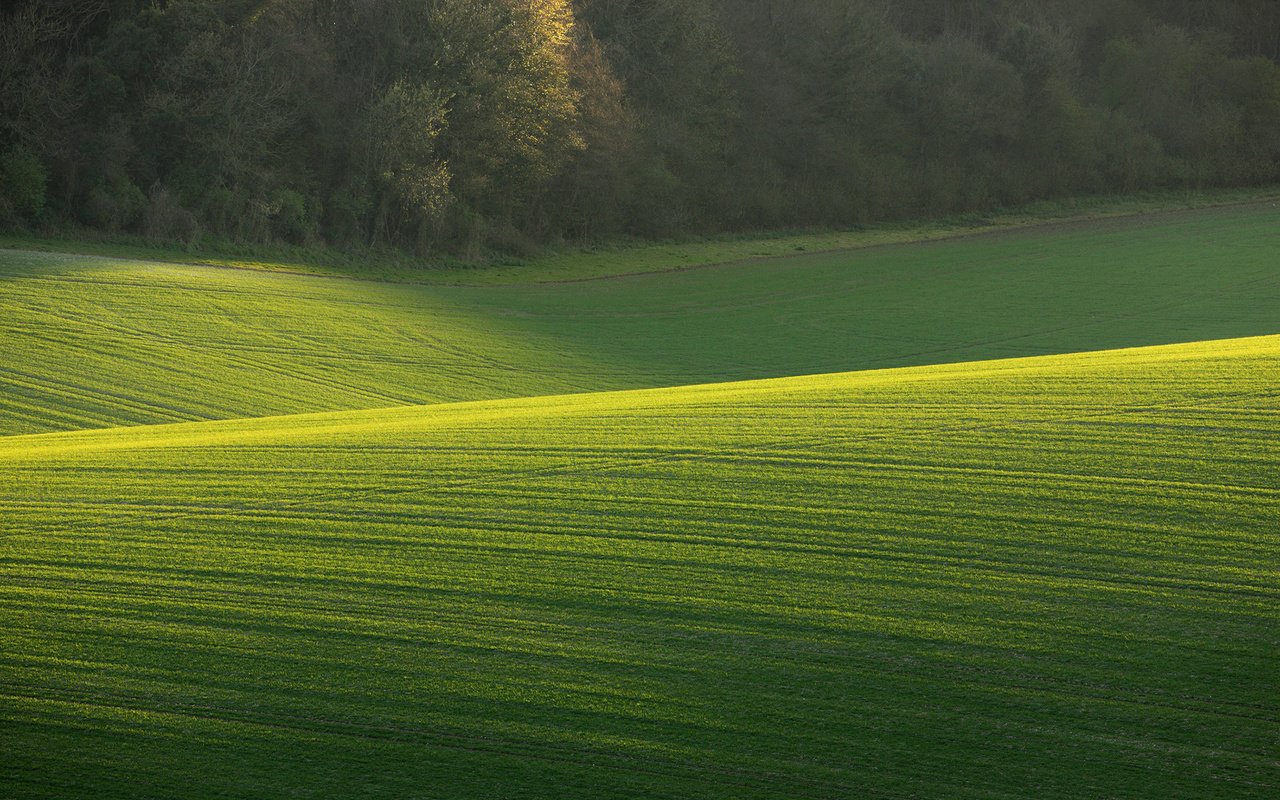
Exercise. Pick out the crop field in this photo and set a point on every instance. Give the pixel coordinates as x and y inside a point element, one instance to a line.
<point>278,536</point>
<point>92,342</point>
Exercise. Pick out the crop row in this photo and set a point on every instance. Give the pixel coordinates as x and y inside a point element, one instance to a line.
<point>1052,576</point>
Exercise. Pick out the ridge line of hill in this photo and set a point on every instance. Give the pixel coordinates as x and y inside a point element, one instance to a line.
<point>106,343</point>
<point>533,402</point>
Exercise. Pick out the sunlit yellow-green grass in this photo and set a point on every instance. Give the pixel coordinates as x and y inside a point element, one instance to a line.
<point>91,342</point>
<point>1045,577</point>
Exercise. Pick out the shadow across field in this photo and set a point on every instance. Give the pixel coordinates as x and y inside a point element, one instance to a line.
<point>92,342</point>
<point>1163,279</point>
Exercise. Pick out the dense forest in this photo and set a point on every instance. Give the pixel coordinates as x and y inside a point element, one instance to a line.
<point>472,125</point>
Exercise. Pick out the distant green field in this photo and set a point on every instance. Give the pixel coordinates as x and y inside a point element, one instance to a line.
<point>581,261</point>
<point>91,342</point>
<point>1048,577</point>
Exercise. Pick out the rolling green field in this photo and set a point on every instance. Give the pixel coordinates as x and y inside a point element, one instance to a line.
<point>91,342</point>
<point>986,572</point>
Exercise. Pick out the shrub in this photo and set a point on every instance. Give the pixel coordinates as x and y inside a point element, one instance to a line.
<point>345,215</point>
<point>167,220</point>
<point>223,211</point>
<point>115,205</point>
<point>22,184</point>
<point>292,220</point>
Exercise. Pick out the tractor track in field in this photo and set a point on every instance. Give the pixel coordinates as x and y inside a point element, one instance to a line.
<point>372,731</point>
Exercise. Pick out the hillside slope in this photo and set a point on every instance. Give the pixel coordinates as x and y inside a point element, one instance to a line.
<point>97,342</point>
<point>1054,577</point>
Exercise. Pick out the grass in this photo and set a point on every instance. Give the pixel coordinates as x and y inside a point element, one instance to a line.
<point>93,342</point>
<point>1000,522</point>
<point>1049,577</point>
<point>607,259</point>
<point>578,263</point>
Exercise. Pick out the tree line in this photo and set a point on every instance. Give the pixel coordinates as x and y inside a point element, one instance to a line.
<point>466,126</point>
